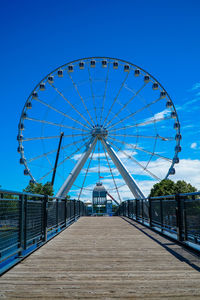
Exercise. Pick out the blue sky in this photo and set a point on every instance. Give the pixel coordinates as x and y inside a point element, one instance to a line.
<point>161,37</point>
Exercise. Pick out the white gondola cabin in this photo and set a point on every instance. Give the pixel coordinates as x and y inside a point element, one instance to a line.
<point>155,86</point>
<point>126,68</point>
<point>92,63</point>
<point>146,78</point>
<point>42,86</point>
<point>162,95</point>
<point>70,68</point>
<point>28,105</point>
<point>50,79</point>
<point>60,73</point>
<point>81,65</point>
<point>137,72</point>
<point>115,65</point>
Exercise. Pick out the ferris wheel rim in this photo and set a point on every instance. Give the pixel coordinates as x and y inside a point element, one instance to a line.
<point>101,58</point>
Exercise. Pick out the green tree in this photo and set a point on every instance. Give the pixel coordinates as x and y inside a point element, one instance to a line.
<point>39,188</point>
<point>184,187</point>
<point>169,187</point>
<point>164,187</point>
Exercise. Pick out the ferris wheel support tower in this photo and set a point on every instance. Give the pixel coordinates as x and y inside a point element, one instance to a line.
<point>100,133</point>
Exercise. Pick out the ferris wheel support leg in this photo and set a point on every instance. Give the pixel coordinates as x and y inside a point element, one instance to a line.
<point>63,191</point>
<point>134,188</point>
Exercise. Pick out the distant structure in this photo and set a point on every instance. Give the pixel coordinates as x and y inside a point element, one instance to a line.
<point>100,204</point>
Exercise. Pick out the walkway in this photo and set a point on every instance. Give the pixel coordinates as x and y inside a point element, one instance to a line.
<point>105,258</point>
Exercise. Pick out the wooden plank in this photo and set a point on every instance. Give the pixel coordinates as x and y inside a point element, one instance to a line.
<point>105,258</point>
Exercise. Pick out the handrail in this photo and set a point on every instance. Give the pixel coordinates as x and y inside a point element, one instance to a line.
<point>26,224</point>
<point>177,216</point>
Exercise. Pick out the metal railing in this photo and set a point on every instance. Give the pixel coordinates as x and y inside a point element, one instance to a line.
<point>177,216</point>
<point>27,221</point>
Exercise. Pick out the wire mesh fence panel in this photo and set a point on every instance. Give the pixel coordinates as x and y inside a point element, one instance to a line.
<point>68,210</point>
<point>9,223</point>
<point>51,216</point>
<point>192,220</point>
<point>130,208</point>
<point>34,219</point>
<point>61,212</point>
<point>76,207</point>
<point>169,215</point>
<point>145,208</point>
<point>155,212</point>
<point>134,208</point>
<point>29,220</point>
<point>139,208</point>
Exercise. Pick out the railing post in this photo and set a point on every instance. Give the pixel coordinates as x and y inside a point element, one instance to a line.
<point>185,218</point>
<point>161,214</point>
<point>65,212</point>
<point>150,212</point>
<point>179,215</point>
<point>21,225</point>
<point>142,202</point>
<point>25,221</point>
<point>136,209</point>
<point>128,208</point>
<point>56,215</point>
<point>79,208</point>
<point>74,210</point>
<point>70,212</point>
<point>45,216</point>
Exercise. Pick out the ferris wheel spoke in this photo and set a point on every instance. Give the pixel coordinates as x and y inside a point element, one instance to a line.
<point>92,92</point>
<point>60,112</point>
<point>82,100</point>
<point>53,151</point>
<point>63,161</point>
<point>52,137</point>
<point>134,113</point>
<point>76,110</point>
<point>141,124</point>
<point>143,150</point>
<point>55,124</point>
<point>105,90</point>
<point>111,172</point>
<point>125,105</point>
<point>91,157</point>
<point>41,156</point>
<point>136,162</point>
<point>41,138</point>
<point>116,97</point>
<point>144,136</point>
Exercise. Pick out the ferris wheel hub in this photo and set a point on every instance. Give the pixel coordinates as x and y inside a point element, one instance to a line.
<point>99,131</point>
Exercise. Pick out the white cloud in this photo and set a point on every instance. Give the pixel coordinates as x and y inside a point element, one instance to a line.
<point>188,105</point>
<point>187,169</point>
<point>159,115</point>
<point>193,146</point>
<point>94,157</point>
<point>196,86</point>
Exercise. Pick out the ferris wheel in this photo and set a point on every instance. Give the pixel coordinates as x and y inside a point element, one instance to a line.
<point>99,119</point>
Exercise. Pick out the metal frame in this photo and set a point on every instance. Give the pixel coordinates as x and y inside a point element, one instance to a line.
<point>134,188</point>
<point>76,170</point>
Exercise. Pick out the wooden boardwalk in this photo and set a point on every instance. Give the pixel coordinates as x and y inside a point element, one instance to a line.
<point>105,258</point>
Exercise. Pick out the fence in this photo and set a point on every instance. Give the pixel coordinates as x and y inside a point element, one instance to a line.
<point>177,216</point>
<point>27,221</point>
